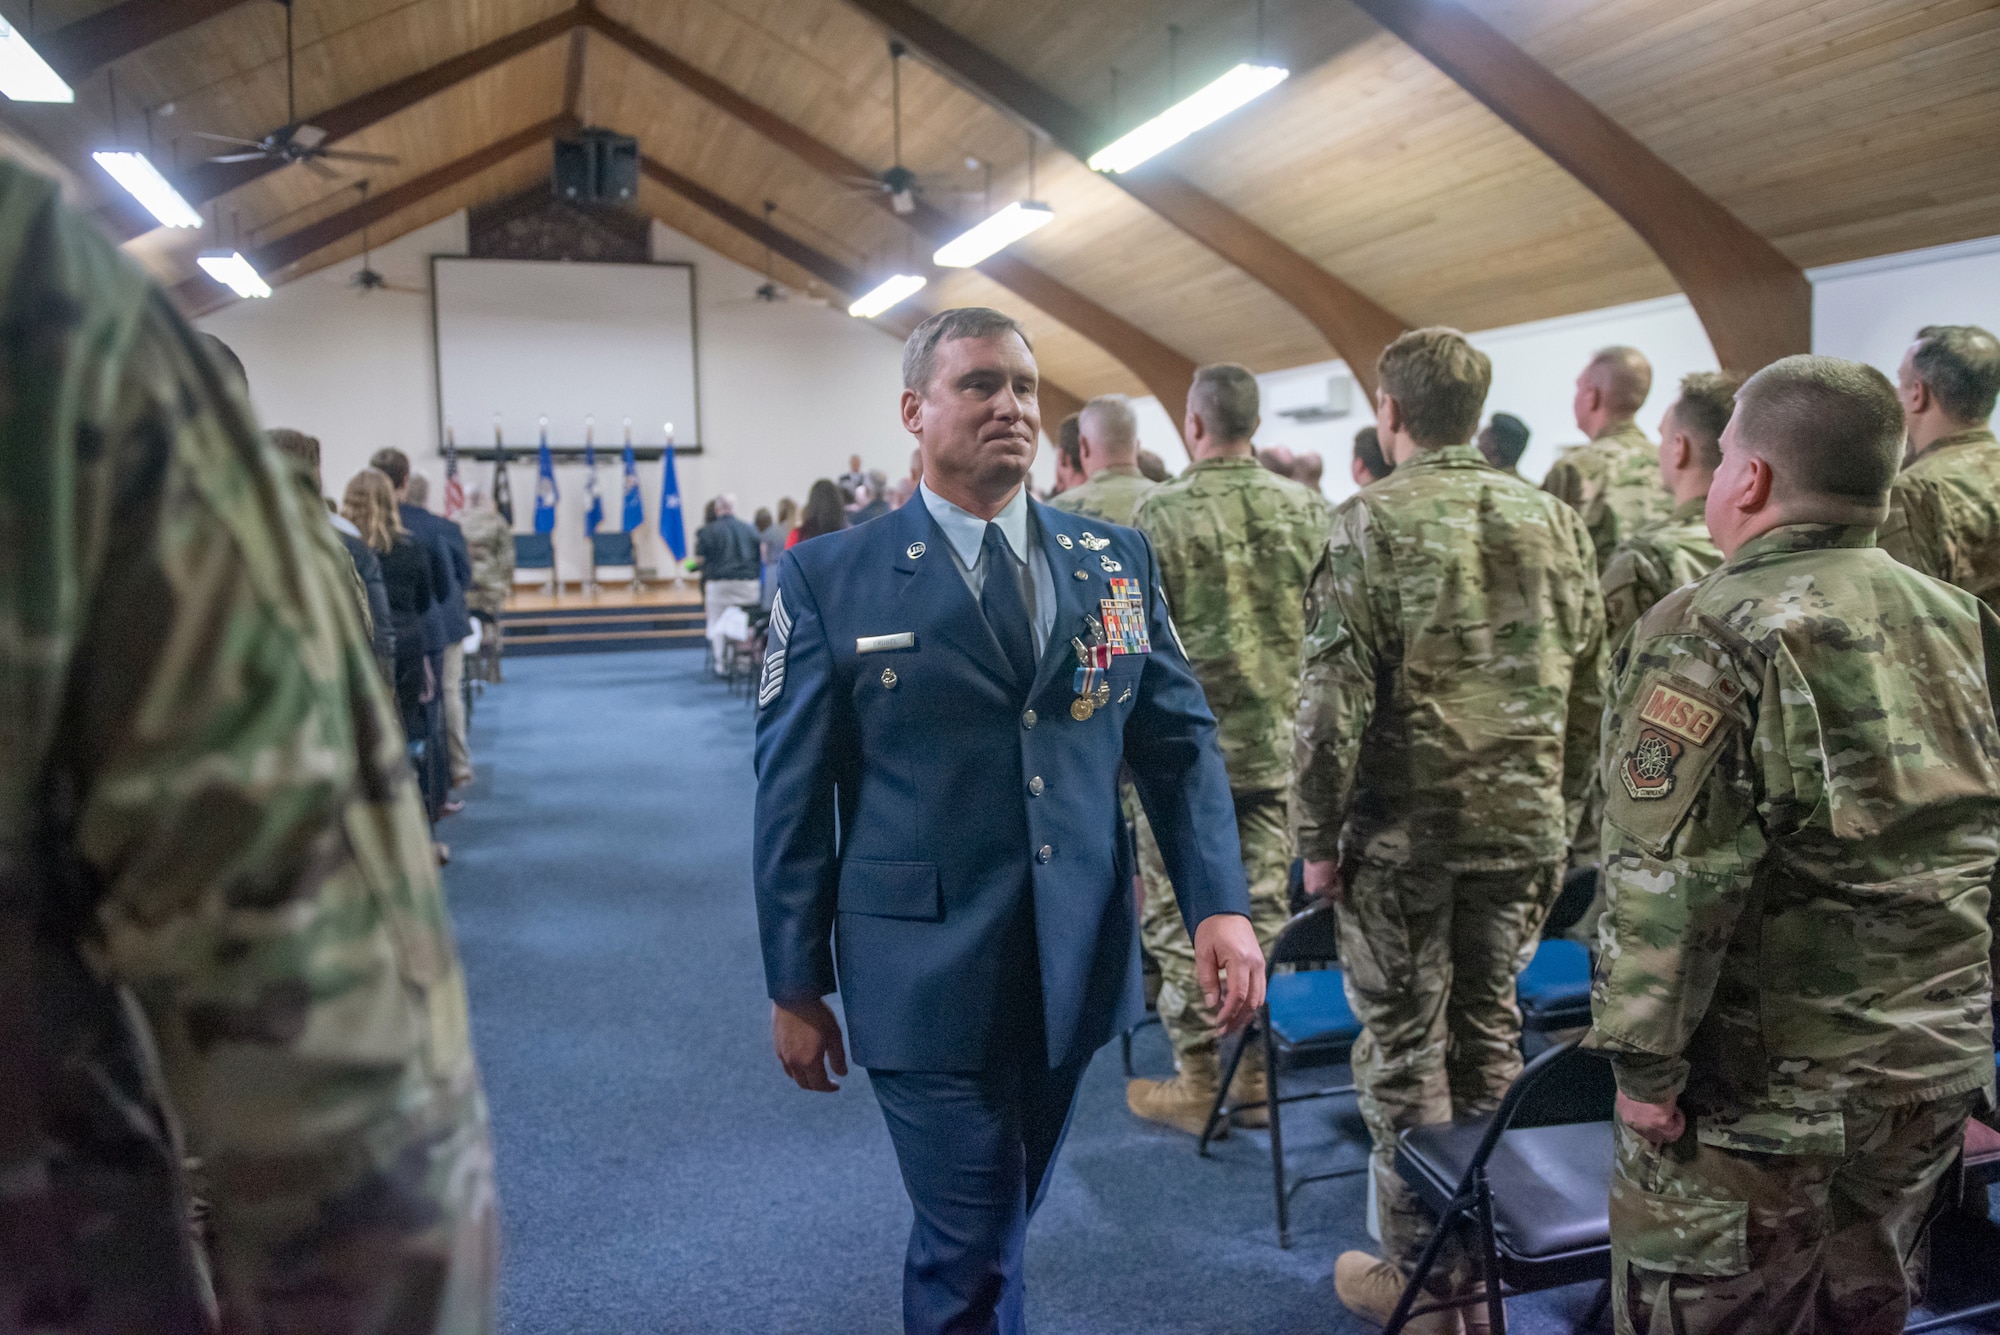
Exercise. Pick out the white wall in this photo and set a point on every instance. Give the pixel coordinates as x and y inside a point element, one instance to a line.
<point>1870,310</point>
<point>788,390</point>
<point>349,367</point>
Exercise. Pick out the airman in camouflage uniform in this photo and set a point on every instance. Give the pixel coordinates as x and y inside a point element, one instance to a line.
<point>1661,557</point>
<point>1944,509</point>
<point>489,540</point>
<point>1613,481</point>
<point>1236,544</point>
<point>221,932</point>
<point>1110,453</point>
<point>1803,774</point>
<point>1447,728</point>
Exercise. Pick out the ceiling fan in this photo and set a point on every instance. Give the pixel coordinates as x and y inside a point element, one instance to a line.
<point>771,292</point>
<point>294,141</point>
<point>367,278</point>
<point>899,183</point>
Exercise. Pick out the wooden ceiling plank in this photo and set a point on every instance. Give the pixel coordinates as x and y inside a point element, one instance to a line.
<point>814,261</point>
<point>76,49</point>
<point>1355,324</point>
<point>1754,302</point>
<point>1164,371</point>
<point>212,179</point>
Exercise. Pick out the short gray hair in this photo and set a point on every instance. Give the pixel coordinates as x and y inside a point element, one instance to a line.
<point>920,349</point>
<point>418,490</point>
<point>1961,364</point>
<point>1109,418</point>
<point>1225,395</point>
<point>725,504</point>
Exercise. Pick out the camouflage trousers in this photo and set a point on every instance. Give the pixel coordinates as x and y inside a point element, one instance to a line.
<point>1710,1241</point>
<point>1430,958</point>
<point>1262,828</point>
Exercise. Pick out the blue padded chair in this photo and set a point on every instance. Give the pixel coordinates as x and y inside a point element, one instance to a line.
<point>1305,1015</point>
<point>1531,1183</point>
<point>613,550</point>
<point>1554,990</point>
<point>535,551</point>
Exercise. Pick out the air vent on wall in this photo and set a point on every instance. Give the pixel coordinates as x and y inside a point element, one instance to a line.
<point>1339,403</point>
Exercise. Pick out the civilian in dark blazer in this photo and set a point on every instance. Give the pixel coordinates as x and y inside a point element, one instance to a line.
<point>938,798</point>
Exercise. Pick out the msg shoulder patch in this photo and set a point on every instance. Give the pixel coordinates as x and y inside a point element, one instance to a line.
<point>773,683</point>
<point>1668,744</point>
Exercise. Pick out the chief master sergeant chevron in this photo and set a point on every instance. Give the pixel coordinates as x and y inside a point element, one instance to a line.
<point>946,701</point>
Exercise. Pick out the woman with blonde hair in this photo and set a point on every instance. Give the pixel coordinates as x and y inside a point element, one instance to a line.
<point>369,503</point>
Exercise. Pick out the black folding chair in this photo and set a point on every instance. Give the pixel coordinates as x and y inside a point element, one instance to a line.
<point>1531,1183</point>
<point>1305,1015</point>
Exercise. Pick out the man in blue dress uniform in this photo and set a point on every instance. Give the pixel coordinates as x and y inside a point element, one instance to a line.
<point>946,701</point>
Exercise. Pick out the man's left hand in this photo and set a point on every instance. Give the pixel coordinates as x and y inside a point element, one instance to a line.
<point>1656,1123</point>
<point>1230,967</point>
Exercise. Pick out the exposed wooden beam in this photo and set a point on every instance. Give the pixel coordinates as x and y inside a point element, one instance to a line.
<point>1354,323</point>
<point>76,49</point>
<point>1754,302</point>
<point>814,261</point>
<point>1057,403</point>
<point>210,179</point>
<point>1164,371</point>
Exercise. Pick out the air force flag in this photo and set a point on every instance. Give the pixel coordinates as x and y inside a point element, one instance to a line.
<point>593,513</point>
<point>545,486</point>
<point>671,531</point>
<point>635,511</point>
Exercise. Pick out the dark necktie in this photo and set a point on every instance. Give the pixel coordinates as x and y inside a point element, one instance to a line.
<point>1006,612</point>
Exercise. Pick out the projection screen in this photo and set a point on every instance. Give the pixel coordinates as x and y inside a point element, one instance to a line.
<point>532,338</point>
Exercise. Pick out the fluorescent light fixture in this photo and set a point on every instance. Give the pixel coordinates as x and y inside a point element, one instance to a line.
<point>891,291</point>
<point>24,75</point>
<point>234,272</point>
<point>1003,229</point>
<point>138,175</point>
<point>1243,84</point>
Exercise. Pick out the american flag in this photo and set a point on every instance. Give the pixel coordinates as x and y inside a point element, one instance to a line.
<point>454,490</point>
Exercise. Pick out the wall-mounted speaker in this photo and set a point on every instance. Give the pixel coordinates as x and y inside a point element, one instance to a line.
<point>598,166</point>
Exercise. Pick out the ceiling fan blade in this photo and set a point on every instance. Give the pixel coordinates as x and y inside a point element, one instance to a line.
<point>346,156</point>
<point>308,136</point>
<point>258,156</point>
<point>228,139</point>
<point>319,169</point>
<point>412,291</point>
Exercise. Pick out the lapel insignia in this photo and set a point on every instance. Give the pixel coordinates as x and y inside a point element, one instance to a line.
<point>1094,543</point>
<point>1062,540</point>
<point>916,549</point>
<point>889,677</point>
<point>1111,567</point>
<point>1083,574</point>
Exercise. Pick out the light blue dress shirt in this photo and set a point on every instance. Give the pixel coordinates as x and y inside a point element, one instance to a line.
<point>965,534</point>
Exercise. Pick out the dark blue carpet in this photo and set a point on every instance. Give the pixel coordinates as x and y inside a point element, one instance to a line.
<point>657,1171</point>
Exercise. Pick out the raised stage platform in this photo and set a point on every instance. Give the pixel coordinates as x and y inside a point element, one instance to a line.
<point>571,621</point>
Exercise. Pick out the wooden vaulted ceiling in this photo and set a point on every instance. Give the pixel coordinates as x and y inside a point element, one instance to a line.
<point>1821,130</point>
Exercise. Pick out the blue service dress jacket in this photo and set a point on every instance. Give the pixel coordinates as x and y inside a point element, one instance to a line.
<point>911,793</point>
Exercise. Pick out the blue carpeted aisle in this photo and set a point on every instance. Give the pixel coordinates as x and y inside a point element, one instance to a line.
<point>659,1174</point>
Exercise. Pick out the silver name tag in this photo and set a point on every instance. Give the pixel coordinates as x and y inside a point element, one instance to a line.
<point>877,644</point>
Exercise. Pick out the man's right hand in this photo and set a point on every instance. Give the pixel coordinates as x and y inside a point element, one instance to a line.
<point>807,1040</point>
<point>1323,880</point>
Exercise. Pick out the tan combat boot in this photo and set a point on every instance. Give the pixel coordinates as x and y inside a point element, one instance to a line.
<point>1183,1102</point>
<point>1369,1287</point>
<point>1248,1090</point>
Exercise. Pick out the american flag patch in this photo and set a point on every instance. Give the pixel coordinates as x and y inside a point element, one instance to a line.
<point>773,684</point>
